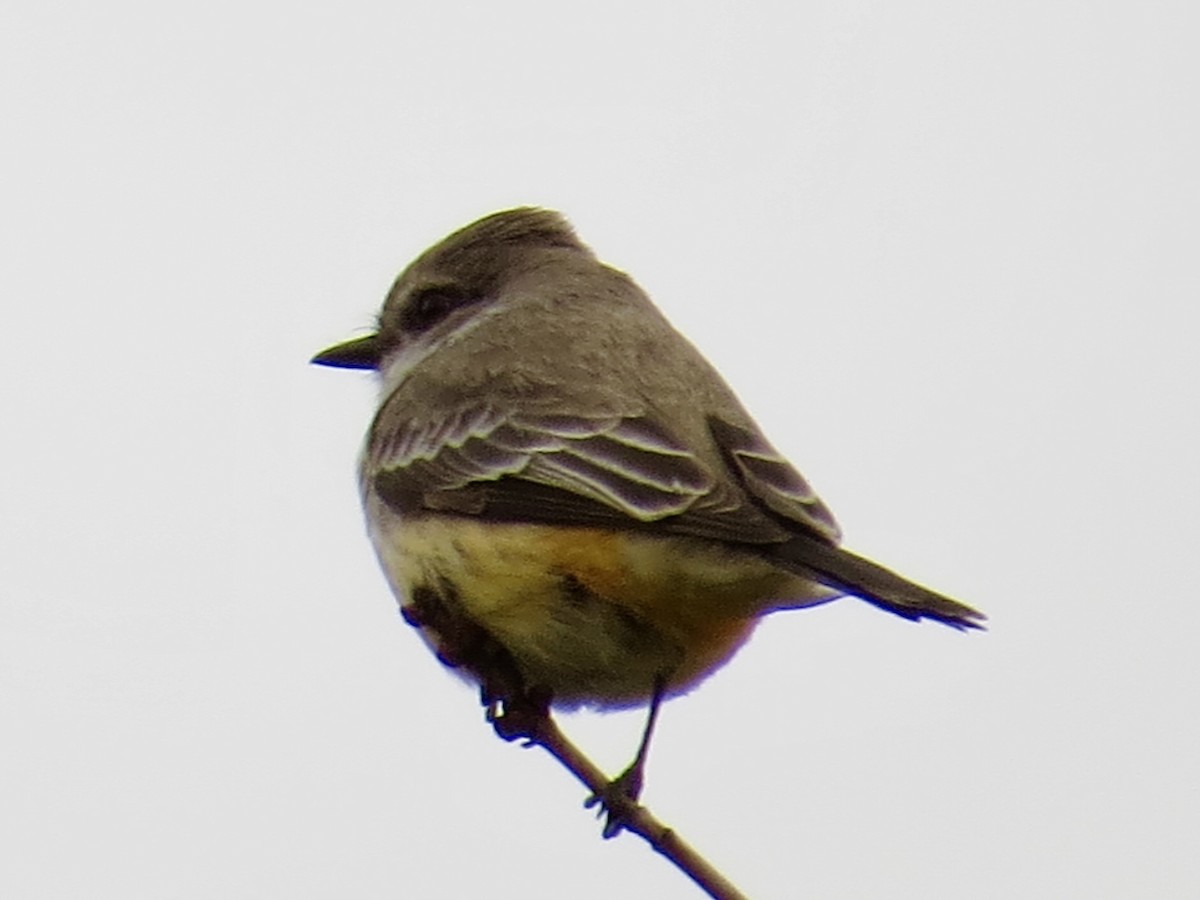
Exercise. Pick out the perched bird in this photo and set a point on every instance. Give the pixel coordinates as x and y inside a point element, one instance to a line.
<point>570,504</point>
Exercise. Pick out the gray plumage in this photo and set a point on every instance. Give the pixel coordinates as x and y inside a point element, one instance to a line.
<point>569,399</point>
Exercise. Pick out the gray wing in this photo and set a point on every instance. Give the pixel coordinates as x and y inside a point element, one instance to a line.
<point>630,472</point>
<point>620,471</point>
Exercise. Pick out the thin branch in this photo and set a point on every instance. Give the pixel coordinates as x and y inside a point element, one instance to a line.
<point>545,733</point>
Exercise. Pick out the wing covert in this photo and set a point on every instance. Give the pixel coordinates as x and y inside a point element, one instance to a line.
<point>622,471</point>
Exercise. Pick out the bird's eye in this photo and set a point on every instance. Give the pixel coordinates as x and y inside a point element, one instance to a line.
<point>430,305</point>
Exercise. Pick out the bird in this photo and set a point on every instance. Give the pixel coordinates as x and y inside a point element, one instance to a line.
<point>570,504</point>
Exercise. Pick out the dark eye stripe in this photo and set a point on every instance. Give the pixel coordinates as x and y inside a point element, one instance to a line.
<point>428,306</point>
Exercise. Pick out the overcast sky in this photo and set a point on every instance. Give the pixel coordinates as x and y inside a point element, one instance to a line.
<point>946,253</point>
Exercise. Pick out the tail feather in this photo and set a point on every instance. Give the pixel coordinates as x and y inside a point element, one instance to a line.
<point>844,571</point>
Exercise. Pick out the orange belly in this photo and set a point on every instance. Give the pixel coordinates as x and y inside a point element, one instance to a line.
<point>594,616</point>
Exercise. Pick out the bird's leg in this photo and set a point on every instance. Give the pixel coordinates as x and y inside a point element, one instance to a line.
<point>514,709</point>
<point>627,787</point>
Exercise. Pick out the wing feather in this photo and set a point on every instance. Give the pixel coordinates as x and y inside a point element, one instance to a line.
<point>624,471</point>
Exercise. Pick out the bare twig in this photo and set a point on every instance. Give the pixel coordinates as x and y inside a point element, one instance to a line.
<point>545,733</point>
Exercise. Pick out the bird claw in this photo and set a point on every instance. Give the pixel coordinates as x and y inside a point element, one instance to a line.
<point>617,801</point>
<point>517,717</point>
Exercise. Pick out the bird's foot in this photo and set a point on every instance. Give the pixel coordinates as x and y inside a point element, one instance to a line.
<point>618,800</point>
<point>519,715</point>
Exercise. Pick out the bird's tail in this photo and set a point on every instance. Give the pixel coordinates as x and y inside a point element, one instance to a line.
<point>844,571</point>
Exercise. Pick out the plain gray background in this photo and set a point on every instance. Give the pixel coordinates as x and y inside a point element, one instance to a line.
<point>944,251</point>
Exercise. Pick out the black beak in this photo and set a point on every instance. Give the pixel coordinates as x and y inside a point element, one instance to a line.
<point>360,353</point>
